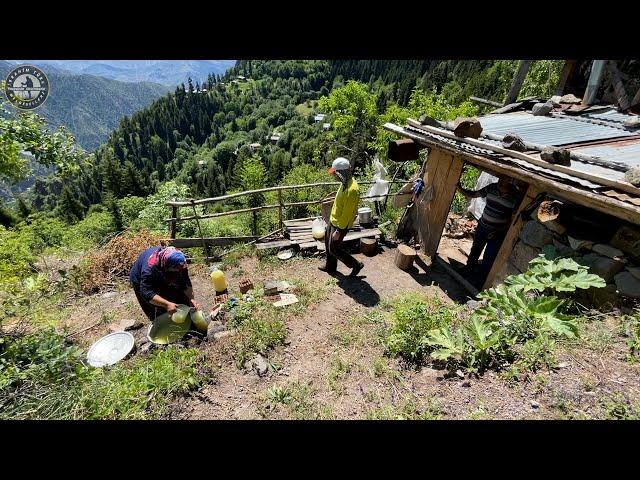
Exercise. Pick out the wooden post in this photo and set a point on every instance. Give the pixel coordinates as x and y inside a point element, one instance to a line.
<point>405,255</point>
<point>441,176</point>
<point>567,71</point>
<point>618,86</point>
<point>172,225</point>
<point>518,80</point>
<point>280,219</point>
<point>204,244</point>
<point>595,79</point>
<point>510,239</point>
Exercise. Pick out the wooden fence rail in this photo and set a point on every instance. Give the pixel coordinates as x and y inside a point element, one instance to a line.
<point>281,205</point>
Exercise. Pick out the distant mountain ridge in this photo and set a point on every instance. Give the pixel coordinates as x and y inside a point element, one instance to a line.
<point>170,73</point>
<point>91,106</point>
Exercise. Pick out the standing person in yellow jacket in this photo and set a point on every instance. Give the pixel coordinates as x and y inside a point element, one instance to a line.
<point>343,214</point>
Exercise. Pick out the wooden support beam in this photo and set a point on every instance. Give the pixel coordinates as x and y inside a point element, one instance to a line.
<point>484,101</point>
<point>618,86</point>
<point>518,80</point>
<point>595,79</point>
<point>510,239</point>
<point>563,191</point>
<point>440,179</point>
<point>567,70</point>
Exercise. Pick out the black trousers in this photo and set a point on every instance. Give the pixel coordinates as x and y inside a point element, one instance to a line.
<point>172,294</point>
<point>335,251</point>
<point>492,239</point>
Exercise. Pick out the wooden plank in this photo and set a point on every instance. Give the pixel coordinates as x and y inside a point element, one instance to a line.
<point>619,184</point>
<point>451,271</point>
<point>306,245</point>
<point>563,191</point>
<point>518,80</point>
<point>510,239</point>
<point>214,241</point>
<point>274,244</point>
<point>321,246</point>
<point>370,232</point>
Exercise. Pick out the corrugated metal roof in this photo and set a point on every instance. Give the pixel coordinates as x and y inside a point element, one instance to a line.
<point>622,151</point>
<point>548,130</point>
<point>610,115</point>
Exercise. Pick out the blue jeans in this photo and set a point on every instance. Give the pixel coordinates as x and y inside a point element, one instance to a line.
<point>492,239</point>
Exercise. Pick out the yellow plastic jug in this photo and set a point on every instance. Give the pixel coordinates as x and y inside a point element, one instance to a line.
<point>219,282</point>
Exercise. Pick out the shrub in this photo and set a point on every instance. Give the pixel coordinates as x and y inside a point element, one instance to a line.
<point>415,315</point>
<point>516,313</point>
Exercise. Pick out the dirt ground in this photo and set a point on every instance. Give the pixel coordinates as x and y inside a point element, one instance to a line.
<point>333,366</point>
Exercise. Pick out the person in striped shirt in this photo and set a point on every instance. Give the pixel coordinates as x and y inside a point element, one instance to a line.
<point>502,200</point>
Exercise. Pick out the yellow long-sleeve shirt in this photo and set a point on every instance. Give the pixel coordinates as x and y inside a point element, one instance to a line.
<point>345,206</point>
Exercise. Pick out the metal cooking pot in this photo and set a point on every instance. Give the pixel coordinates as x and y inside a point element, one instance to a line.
<point>364,215</point>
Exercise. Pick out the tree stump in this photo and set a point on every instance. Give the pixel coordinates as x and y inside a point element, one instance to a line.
<point>368,246</point>
<point>405,256</point>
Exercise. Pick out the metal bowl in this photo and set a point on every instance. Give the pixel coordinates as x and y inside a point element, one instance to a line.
<point>164,331</point>
<point>110,349</point>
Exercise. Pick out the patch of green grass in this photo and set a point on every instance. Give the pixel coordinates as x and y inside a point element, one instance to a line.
<point>631,326</point>
<point>338,370</point>
<point>413,317</point>
<point>143,389</point>
<point>536,353</point>
<point>540,383</point>
<point>409,409</point>
<point>617,407</point>
<point>295,399</point>
<point>598,337</point>
<point>42,377</point>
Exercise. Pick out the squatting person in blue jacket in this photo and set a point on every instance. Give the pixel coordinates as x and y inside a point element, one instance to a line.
<point>161,282</point>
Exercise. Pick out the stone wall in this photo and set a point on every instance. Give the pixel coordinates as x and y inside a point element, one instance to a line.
<point>616,261</point>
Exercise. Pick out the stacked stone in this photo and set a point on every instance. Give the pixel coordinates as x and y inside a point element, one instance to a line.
<point>617,262</point>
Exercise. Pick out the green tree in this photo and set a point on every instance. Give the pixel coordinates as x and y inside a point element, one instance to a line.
<point>355,117</point>
<point>26,132</point>
<point>252,177</point>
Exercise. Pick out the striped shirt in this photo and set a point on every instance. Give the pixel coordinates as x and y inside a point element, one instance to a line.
<point>499,209</point>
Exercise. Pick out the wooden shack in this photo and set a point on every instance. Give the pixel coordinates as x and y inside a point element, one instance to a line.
<point>602,147</point>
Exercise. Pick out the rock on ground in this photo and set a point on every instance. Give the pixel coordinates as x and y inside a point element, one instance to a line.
<point>607,250</point>
<point>215,326</point>
<point>628,285</point>
<point>535,235</point>
<point>522,255</point>
<point>260,365</point>
<point>627,239</point>
<point>602,266</point>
